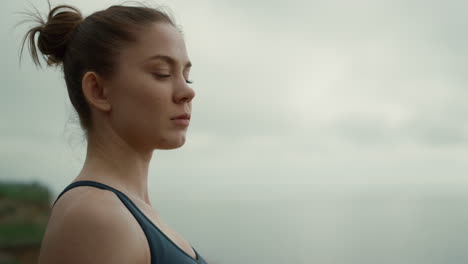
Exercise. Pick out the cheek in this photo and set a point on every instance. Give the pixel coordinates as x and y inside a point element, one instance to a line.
<point>151,98</point>
<point>139,103</point>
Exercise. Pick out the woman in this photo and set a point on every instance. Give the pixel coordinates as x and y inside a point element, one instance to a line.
<point>127,74</point>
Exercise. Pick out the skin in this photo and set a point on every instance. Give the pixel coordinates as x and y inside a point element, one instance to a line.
<point>131,113</point>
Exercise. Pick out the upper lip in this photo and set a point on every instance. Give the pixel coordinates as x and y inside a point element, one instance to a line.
<point>183,116</point>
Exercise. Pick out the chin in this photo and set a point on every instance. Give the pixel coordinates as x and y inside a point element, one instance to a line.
<point>171,143</point>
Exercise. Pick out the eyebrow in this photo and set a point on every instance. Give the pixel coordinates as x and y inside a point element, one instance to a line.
<point>168,59</point>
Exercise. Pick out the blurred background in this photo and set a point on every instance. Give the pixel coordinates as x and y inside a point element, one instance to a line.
<point>322,132</point>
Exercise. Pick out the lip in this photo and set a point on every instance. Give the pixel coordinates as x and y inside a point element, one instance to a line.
<point>184,116</point>
<point>181,121</point>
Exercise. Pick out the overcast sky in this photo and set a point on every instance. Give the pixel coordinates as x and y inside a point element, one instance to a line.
<point>287,92</point>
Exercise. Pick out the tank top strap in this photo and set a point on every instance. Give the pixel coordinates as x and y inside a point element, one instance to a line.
<point>140,217</point>
<point>162,248</point>
<point>89,183</point>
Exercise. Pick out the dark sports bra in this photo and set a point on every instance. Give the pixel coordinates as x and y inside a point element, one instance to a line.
<point>162,249</point>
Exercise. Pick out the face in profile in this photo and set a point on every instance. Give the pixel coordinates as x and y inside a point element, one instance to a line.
<point>151,88</point>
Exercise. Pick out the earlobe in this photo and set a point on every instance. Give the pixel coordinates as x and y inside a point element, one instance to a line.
<point>94,91</point>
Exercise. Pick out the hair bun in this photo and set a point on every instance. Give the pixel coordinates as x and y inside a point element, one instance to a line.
<point>55,34</point>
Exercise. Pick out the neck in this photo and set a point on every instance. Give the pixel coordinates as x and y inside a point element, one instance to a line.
<point>113,161</point>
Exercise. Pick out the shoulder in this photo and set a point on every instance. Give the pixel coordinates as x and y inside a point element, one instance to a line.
<point>92,226</point>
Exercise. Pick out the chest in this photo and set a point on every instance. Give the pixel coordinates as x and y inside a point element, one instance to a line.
<point>170,233</point>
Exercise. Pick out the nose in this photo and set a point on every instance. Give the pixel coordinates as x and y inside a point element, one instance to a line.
<point>183,92</point>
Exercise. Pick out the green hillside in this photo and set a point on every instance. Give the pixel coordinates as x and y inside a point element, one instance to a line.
<point>24,212</point>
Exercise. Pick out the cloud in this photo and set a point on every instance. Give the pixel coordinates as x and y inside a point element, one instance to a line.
<point>365,70</point>
<point>297,91</point>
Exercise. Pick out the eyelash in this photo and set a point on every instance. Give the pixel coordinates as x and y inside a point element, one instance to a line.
<point>166,76</point>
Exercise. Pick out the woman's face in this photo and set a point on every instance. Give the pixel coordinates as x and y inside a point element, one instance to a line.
<point>150,89</point>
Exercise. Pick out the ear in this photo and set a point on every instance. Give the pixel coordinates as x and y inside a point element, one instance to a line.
<point>95,92</point>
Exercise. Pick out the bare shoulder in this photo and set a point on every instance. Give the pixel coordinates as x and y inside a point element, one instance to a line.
<point>92,226</point>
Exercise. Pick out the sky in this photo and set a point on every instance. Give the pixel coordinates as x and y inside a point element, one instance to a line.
<point>294,99</point>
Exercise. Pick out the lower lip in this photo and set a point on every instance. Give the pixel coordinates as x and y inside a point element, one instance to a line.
<point>182,122</point>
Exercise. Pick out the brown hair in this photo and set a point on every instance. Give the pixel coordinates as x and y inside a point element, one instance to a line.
<point>81,44</point>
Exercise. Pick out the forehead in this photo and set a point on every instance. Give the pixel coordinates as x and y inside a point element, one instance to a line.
<point>158,38</point>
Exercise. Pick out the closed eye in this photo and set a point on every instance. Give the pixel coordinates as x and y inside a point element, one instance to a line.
<point>167,76</point>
